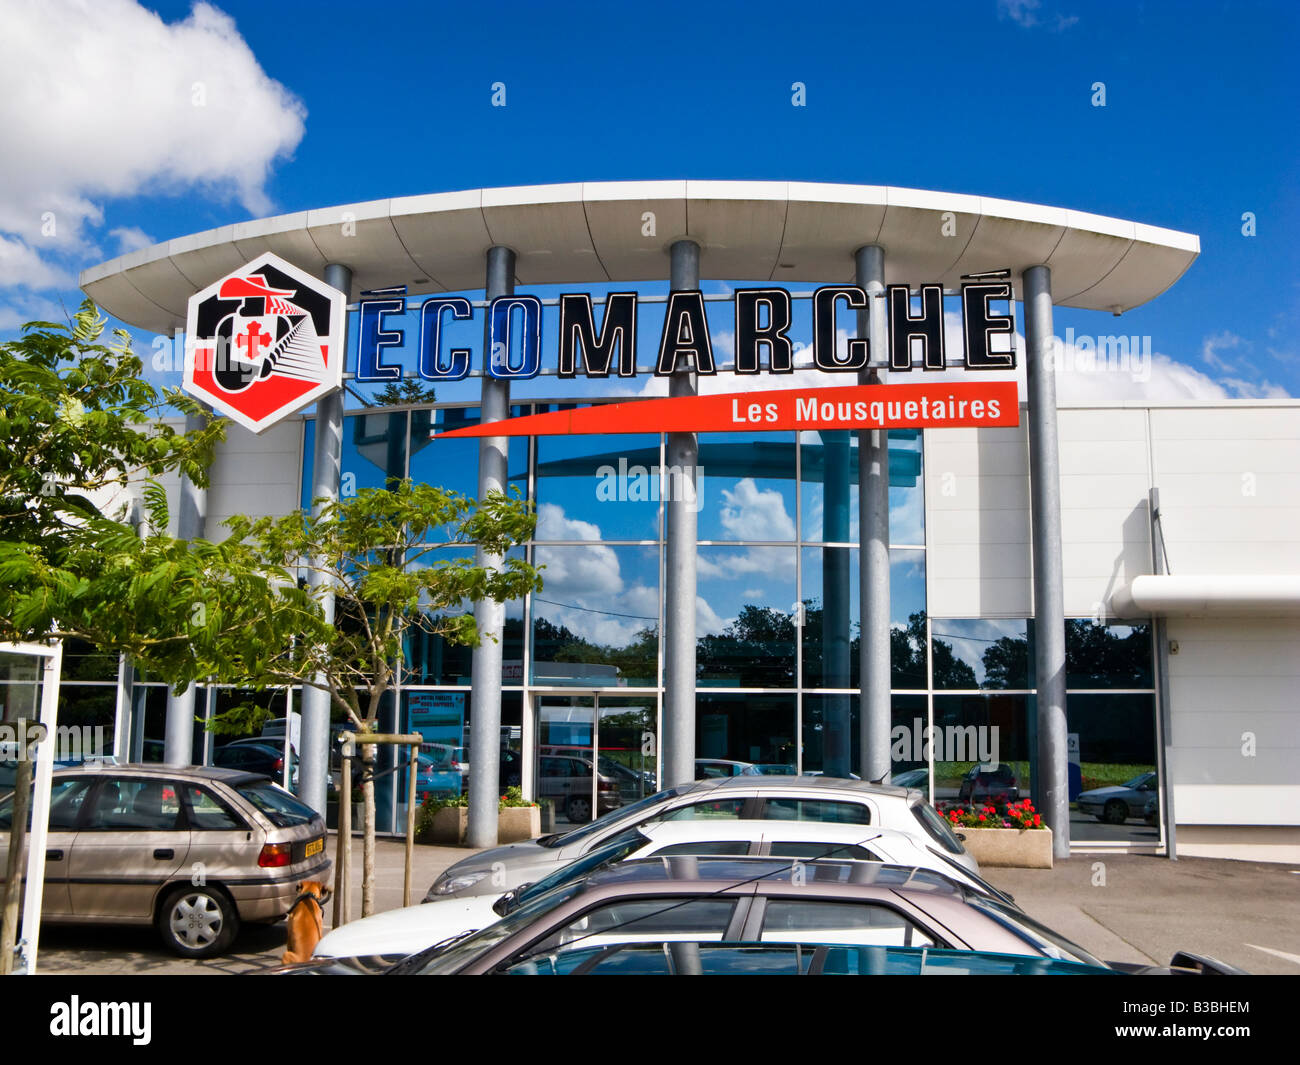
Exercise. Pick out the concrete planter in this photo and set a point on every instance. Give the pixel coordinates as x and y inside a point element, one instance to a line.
<point>1020,848</point>
<point>516,823</point>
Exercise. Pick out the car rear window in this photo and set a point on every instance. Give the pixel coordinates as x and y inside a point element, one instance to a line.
<point>842,813</point>
<point>937,828</point>
<point>276,804</point>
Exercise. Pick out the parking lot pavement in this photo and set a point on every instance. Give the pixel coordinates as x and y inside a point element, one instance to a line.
<point>1120,907</point>
<point>115,950</point>
<point>1142,908</point>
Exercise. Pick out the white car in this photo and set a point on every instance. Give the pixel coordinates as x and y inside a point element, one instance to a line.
<point>402,932</point>
<point>825,800</point>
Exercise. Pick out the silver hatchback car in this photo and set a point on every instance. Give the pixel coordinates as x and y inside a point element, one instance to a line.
<point>193,851</point>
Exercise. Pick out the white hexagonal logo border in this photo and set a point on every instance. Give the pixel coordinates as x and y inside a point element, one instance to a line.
<point>329,375</point>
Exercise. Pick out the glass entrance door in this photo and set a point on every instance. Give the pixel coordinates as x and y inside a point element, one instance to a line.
<point>593,753</point>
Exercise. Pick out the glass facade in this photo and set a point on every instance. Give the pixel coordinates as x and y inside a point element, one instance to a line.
<point>778,629</point>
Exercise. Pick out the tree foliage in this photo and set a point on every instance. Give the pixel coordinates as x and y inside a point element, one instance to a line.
<point>378,554</point>
<point>79,423</point>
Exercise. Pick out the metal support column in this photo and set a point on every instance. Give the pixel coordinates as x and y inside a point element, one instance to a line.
<point>677,744</point>
<point>1051,780</point>
<point>875,714</point>
<point>485,697</point>
<point>191,518</point>
<point>314,758</point>
<point>837,722</point>
<point>1160,634</point>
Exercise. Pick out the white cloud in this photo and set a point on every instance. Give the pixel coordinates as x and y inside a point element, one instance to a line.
<point>110,102</point>
<point>130,238</point>
<point>1027,13</point>
<point>23,265</point>
<point>31,310</point>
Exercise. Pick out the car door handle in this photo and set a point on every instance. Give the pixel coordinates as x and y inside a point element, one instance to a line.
<point>164,853</point>
<point>53,855</point>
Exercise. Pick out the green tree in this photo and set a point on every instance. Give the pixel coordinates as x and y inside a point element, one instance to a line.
<point>378,554</point>
<point>79,424</point>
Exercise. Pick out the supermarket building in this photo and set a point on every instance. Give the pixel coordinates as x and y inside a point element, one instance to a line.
<point>1094,592</point>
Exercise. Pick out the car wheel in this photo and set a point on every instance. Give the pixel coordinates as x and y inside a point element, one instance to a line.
<point>578,810</point>
<point>198,922</point>
<point>1114,812</point>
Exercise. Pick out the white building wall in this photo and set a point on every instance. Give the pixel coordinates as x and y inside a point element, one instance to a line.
<point>1105,528</point>
<point>1229,480</point>
<point>260,476</point>
<point>1234,693</point>
<point>977,522</point>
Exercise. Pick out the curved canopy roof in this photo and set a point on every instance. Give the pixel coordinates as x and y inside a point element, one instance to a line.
<point>596,232</point>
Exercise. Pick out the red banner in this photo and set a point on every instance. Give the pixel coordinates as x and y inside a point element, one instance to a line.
<point>920,406</point>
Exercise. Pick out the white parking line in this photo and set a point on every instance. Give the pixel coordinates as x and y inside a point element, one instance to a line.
<point>1277,953</point>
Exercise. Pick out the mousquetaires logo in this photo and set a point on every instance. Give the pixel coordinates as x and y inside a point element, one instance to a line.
<point>264,341</point>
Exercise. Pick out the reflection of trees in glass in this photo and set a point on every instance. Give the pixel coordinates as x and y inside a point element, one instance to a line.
<point>1006,663</point>
<point>1095,657</point>
<point>755,651</point>
<point>907,651</point>
<point>637,662</point>
<point>409,390</point>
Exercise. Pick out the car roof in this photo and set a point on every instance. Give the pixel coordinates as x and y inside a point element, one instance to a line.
<point>153,769</point>
<point>812,831</point>
<point>821,787</point>
<point>722,873</point>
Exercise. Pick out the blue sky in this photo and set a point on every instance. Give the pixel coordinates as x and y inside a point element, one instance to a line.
<point>990,97</point>
<point>314,104</point>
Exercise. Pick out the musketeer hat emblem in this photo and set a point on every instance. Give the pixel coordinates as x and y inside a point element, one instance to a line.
<point>264,341</point>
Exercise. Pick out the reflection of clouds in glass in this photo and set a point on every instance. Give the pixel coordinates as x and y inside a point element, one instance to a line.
<point>906,585</point>
<point>769,574</point>
<point>970,639</point>
<point>553,525</point>
<point>804,375</point>
<point>752,513</point>
<point>707,621</point>
<point>583,588</point>
<point>742,562</point>
<point>906,516</point>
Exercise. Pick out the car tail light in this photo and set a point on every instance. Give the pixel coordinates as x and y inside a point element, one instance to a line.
<point>275,855</point>
<point>607,785</point>
<point>279,765</point>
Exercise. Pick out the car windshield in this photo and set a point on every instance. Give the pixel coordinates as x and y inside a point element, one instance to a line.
<point>1053,944</point>
<point>448,957</point>
<point>276,804</point>
<point>614,816</point>
<point>615,850</point>
<point>1138,780</point>
<point>964,875</point>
